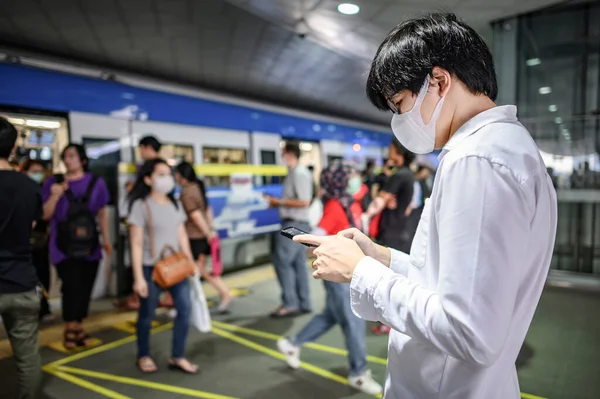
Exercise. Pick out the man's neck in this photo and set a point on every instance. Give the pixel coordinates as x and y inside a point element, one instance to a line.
<point>471,106</point>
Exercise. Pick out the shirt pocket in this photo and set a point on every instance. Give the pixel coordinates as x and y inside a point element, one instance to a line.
<point>418,250</point>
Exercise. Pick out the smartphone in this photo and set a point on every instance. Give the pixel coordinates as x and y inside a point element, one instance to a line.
<point>291,232</point>
<point>60,178</point>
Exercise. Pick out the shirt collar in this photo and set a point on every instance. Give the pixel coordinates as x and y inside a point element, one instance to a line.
<point>505,113</point>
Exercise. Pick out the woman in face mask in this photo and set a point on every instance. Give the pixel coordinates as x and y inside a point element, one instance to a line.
<point>360,194</point>
<point>39,238</point>
<point>155,213</point>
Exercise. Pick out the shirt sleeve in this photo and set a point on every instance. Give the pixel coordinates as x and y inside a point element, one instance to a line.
<point>483,229</point>
<point>399,261</point>
<point>190,199</point>
<point>137,216</point>
<point>303,185</point>
<point>334,218</point>
<point>101,194</point>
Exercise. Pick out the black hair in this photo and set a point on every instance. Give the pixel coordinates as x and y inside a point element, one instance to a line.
<point>421,167</point>
<point>412,49</point>
<point>409,157</point>
<point>150,141</point>
<point>292,148</point>
<point>28,163</point>
<point>186,170</point>
<point>141,190</point>
<point>8,138</point>
<point>83,158</point>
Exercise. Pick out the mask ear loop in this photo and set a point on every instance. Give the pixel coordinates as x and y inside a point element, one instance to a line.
<point>438,107</point>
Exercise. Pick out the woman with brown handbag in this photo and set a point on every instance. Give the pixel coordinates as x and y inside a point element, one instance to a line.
<point>156,223</point>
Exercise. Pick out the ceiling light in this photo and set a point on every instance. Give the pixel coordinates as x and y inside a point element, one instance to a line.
<point>43,124</point>
<point>348,8</point>
<point>545,90</point>
<point>533,62</point>
<point>356,147</point>
<point>552,108</point>
<point>558,120</point>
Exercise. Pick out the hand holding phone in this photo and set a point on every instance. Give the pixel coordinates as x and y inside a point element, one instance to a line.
<point>291,232</point>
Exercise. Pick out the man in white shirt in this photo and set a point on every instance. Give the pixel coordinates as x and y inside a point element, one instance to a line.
<point>460,304</point>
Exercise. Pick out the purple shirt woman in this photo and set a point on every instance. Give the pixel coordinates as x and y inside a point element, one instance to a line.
<point>78,274</point>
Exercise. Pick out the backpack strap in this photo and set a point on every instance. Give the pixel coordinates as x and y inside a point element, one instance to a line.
<point>86,196</point>
<point>89,190</point>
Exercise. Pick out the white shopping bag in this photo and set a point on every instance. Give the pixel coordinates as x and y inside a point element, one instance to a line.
<point>199,314</point>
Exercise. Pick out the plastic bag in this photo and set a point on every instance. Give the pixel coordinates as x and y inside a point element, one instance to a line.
<point>199,313</point>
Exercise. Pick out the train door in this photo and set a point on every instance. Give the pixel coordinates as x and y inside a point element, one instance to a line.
<point>107,142</point>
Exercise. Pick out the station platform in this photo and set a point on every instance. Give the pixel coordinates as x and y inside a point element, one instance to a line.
<point>238,359</point>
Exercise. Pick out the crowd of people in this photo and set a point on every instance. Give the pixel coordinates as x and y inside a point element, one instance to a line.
<point>457,289</point>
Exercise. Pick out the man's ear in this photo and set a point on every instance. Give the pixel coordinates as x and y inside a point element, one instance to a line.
<point>442,79</point>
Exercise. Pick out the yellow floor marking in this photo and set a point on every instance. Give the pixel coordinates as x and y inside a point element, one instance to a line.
<point>142,383</point>
<point>324,348</point>
<point>105,347</point>
<point>530,396</point>
<point>60,347</point>
<point>274,337</point>
<point>270,352</point>
<point>86,384</point>
<point>129,326</point>
<point>102,321</point>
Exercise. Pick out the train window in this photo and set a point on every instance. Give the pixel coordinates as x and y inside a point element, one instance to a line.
<point>268,157</point>
<point>172,153</point>
<point>40,137</point>
<point>105,156</point>
<point>224,155</point>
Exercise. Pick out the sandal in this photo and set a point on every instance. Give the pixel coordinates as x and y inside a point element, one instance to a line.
<point>176,366</point>
<point>83,339</point>
<point>70,340</point>
<point>146,365</point>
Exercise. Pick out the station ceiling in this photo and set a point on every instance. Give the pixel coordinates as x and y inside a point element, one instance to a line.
<point>297,53</point>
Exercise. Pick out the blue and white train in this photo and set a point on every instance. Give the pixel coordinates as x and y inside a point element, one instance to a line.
<point>53,108</point>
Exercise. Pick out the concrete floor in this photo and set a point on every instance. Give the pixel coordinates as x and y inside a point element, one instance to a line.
<point>560,360</point>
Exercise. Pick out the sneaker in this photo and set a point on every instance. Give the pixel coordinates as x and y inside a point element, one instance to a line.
<point>365,383</point>
<point>291,352</point>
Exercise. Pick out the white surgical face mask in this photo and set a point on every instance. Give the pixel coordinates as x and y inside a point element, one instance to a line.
<point>163,184</point>
<point>36,176</point>
<point>412,131</point>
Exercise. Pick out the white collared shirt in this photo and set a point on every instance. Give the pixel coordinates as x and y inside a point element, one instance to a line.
<point>460,304</point>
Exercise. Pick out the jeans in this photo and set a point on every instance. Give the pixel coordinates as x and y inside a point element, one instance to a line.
<point>181,297</point>
<point>290,261</point>
<point>338,311</point>
<point>20,316</point>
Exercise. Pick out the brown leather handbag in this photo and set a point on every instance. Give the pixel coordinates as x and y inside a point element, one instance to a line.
<point>170,269</point>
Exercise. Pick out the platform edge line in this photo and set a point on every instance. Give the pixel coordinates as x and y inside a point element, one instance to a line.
<point>143,383</point>
<point>84,384</point>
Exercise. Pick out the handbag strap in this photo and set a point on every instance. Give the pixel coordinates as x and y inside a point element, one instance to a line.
<point>150,229</point>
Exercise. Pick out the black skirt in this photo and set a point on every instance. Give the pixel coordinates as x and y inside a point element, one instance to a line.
<point>199,247</point>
